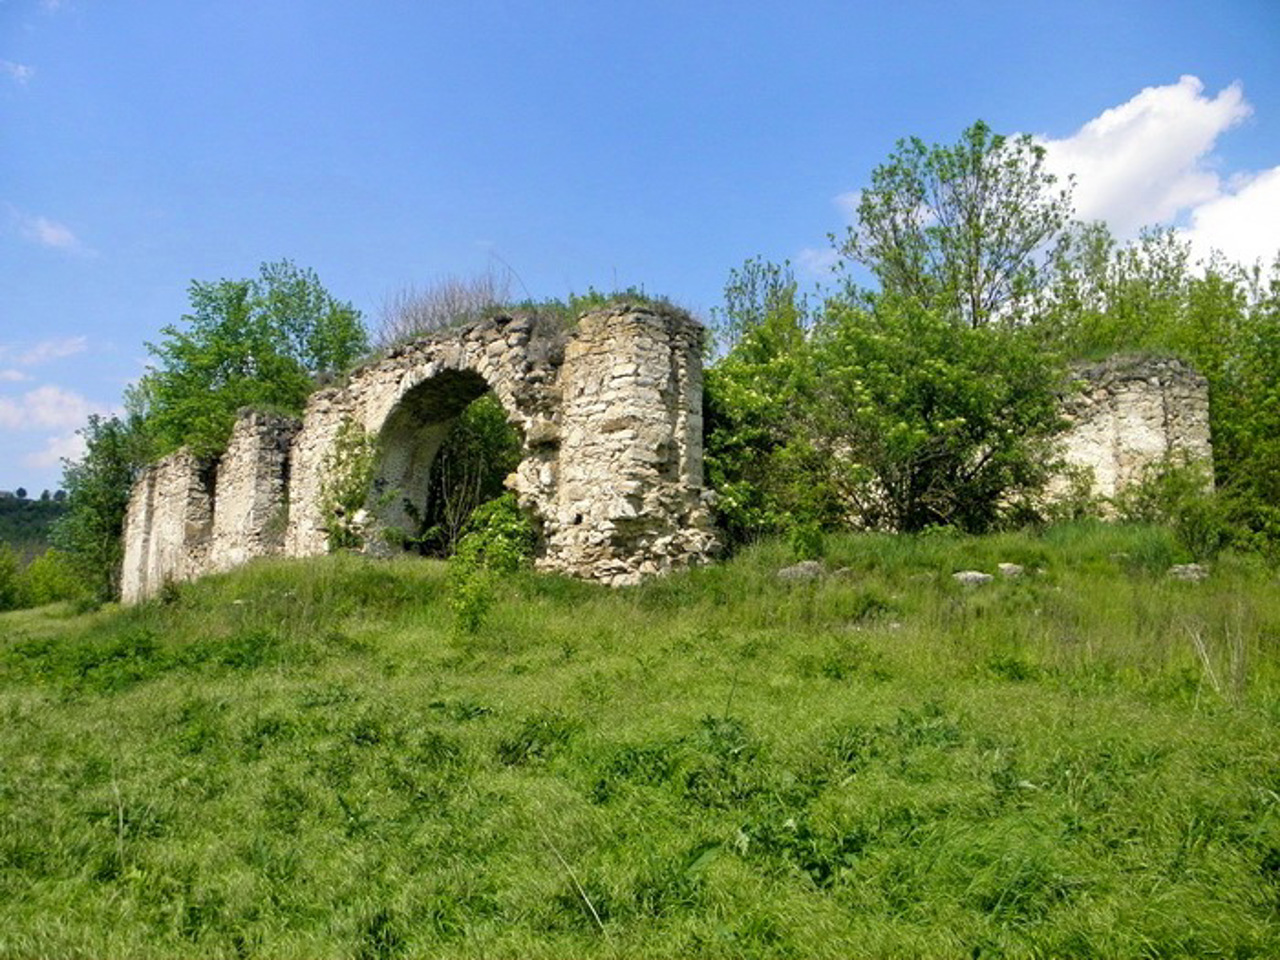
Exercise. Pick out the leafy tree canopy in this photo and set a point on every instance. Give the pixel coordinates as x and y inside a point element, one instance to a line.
<point>98,488</point>
<point>960,229</point>
<point>258,342</point>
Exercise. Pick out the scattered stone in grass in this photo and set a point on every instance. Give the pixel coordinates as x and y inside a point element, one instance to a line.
<point>1192,572</point>
<point>1010,569</point>
<point>804,570</point>
<point>972,578</point>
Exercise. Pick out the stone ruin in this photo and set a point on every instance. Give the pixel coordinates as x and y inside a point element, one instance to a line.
<point>611,424</point>
<point>610,418</point>
<point>1129,413</point>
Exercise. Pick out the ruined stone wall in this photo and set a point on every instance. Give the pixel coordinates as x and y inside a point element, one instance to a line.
<point>167,526</point>
<point>1131,412</point>
<point>610,417</point>
<point>629,498</point>
<point>250,503</point>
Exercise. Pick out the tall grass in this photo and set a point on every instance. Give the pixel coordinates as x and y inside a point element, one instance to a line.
<point>305,759</point>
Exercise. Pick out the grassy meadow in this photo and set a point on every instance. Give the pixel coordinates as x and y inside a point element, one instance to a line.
<point>305,759</point>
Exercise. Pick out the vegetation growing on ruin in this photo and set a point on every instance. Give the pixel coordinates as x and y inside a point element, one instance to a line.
<point>308,758</point>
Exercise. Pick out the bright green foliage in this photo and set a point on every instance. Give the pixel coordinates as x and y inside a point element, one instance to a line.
<point>926,402</point>
<point>757,293</point>
<point>11,592</point>
<point>349,469</point>
<point>880,414</point>
<point>1179,494</point>
<point>98,488</point>
<point>930,421</point>
<point>958,229</point>
<point>258,342</point>
<point>52,576</point>
<point>498,541</point>
<point>480,451</point>
<point>302,759</point>
<point>323,335</point>
<point>757,441</point>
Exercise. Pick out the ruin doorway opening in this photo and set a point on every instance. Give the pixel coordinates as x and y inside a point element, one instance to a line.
<point>447,448</point>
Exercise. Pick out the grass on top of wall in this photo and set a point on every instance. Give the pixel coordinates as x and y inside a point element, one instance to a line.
<point>304,759</point>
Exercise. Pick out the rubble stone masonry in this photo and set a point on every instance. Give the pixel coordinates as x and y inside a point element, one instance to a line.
<point>610,417</point>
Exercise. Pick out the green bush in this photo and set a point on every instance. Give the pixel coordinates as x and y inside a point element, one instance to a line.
<point>469,469</point>
<point>498,541</point>
<point>11,593</point>
<point>348,478</point>
<point>1179,494</point>
<point>50,577</point>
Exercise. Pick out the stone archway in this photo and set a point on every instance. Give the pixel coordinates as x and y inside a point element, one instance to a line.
<point>407,447</point>
<point>610,415</point>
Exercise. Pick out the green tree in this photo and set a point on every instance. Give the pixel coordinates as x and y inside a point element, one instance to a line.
<point>52,576</point>
<point>758,449</point>
<point>959,230</point>
<point>261,342</point>
<point>755,292</point>
<point>927,421</point>
<point>98,486</point>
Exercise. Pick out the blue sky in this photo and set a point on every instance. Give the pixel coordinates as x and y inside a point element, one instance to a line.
<point>144,145</point>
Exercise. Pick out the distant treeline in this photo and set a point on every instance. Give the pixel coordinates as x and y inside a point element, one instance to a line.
<point>25,524</point>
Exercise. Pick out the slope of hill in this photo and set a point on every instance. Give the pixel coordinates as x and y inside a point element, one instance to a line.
<point>305,759</point>
<point>25,524</point>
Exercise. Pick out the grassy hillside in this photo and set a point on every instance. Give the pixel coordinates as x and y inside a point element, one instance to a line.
<point>304,760</point>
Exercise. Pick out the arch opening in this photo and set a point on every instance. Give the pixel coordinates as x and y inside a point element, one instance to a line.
<point>446,448</point>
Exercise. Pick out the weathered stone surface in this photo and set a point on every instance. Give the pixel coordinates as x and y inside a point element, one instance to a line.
<point>972,578</point>
<point>804,570</point>
<point>168,525</point>
<point>1131,412</point>
<point>611,421</point>
<point>1010,569</point>
<point>251,505</point>
<point>1192,572</point>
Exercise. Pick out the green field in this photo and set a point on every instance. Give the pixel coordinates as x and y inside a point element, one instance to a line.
<point>306,759</point>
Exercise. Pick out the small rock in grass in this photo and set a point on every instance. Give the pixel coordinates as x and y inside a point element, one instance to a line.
<point>972,578</point>
<point>1192,572</point>
<point>1010,569</point>
<point>804,570</point>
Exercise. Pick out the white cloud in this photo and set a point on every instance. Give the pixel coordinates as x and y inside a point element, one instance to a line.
<point>47,408</point>
<point>46,350</point>
<point>69,446</point>
<point>34,354</point>
<point>19,73</point>
<point>847,204</point>
<point>1244,222</point>
<point>1149,161</point>
<point>50,233</point>
<point>820,262</point>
